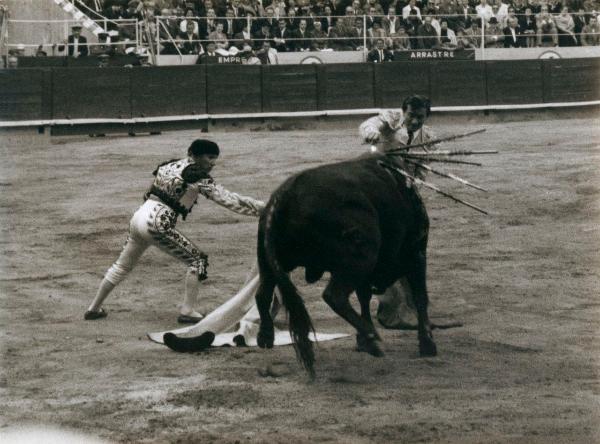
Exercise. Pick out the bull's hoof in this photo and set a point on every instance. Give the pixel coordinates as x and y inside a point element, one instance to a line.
<point>369,344</point>
<point>427,348</point>
<point>265,339</point>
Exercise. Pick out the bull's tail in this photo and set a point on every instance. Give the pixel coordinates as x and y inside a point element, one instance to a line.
<point>300,324</point>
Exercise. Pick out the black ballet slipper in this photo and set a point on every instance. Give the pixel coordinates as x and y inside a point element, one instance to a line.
<point>93,315</point>
<point>189,345</point>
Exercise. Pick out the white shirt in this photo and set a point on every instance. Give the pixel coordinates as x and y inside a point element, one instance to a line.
<point>484,11</point>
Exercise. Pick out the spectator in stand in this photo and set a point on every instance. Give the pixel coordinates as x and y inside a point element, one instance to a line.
<point>219,37</point>
<point>494,37</point>
<point>502,13</point>
<point>270,19</point>
<point>307,14</point>
<point>374,4</point>
<point>301,36</point>
<point>114,11</point>
<point>291,6</point>
<point>372,18</point>
<point>474,32</point>
<point>319,40</point>
<point>400,41</point>
<point>484,10</point>
<point>282,37</point>
<point>434,21</point>
<point>358,34</point>
<point>391,22</point>
<point>189,18</point>
<point>231,26</point>
<point>375,33</point>
<point>512,13</point>
<point>209,56</point>
<point>40,51</point>
<point>513,37</point>
<point>327,21</point>
<point>242,38</point>
<point>565,26</point>
<point>590,34</point>
<point>446,11</point>
<point>103,46</point>
<point>211,20</point>
<point>220,7</point>
<point>133,10</point>
<point>76,43</point>
<point>12,61</point>
<point>528,26</point>
<point>447,36</point>
<point>580,20</point>
<point>380,54</point>
<point>535,6</point>
<point>170,24</point>
<point>264,35</point>
<point>520,6</point>
<point>554,6</point>
<point>462,41</point>
<point>249,22</point>
<point>465,12</point>
<point>291,21</point>
<point>409,9</point>
<point>546,28</point>
<point>189,41</point>
<point>122,41</point>
<point>237,9</point>
<point>413,23</point>
<point>427,35</point>
<point>357,8</point>
<point>591,6</point>
<point>267,54</point>
<point>343,28</point>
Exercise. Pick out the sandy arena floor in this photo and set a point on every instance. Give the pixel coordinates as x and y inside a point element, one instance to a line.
<point>524,280</point>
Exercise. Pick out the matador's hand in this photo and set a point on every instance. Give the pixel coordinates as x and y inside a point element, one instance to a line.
<point>372,136</point>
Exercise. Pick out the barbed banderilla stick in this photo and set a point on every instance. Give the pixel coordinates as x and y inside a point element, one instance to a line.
<point>447,175</point>
<point>434,188</point>
<point>436,141</point>
<point>435,159</point>
<point>442,153</point>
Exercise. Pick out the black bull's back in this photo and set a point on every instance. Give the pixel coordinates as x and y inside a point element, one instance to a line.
<point>356,219</point>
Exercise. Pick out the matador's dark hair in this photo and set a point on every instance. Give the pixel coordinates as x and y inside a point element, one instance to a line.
<point>203,146</point>
<point>417,101</point>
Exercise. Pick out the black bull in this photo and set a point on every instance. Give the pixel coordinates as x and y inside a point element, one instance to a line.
<point>358,220</point>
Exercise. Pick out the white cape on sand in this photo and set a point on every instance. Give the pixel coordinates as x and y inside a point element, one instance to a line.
<point>241,310</point>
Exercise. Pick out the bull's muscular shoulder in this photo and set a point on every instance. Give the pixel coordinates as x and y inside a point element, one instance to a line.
<point>344,180</point>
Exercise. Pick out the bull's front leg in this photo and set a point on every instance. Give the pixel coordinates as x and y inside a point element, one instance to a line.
<point>417,280</point>
<point>264,298</point>
<point>370,342</point>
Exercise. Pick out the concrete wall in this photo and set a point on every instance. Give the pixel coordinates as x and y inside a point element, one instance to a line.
<point>34,34</point>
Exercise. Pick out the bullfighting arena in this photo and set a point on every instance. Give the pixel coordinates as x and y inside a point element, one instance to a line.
<point>524,280</point>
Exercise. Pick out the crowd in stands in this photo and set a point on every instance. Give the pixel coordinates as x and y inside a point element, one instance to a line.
<point>260,29</point>
<point>186,26</point>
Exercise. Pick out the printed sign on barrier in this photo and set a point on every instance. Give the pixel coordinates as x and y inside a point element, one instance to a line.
<point>435,54</point>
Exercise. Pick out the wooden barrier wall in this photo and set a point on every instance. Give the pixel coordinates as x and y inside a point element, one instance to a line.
<point>115,92</point>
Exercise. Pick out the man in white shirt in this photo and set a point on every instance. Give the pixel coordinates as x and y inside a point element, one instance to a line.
<point>411,6</point>
<point>484,10</point>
